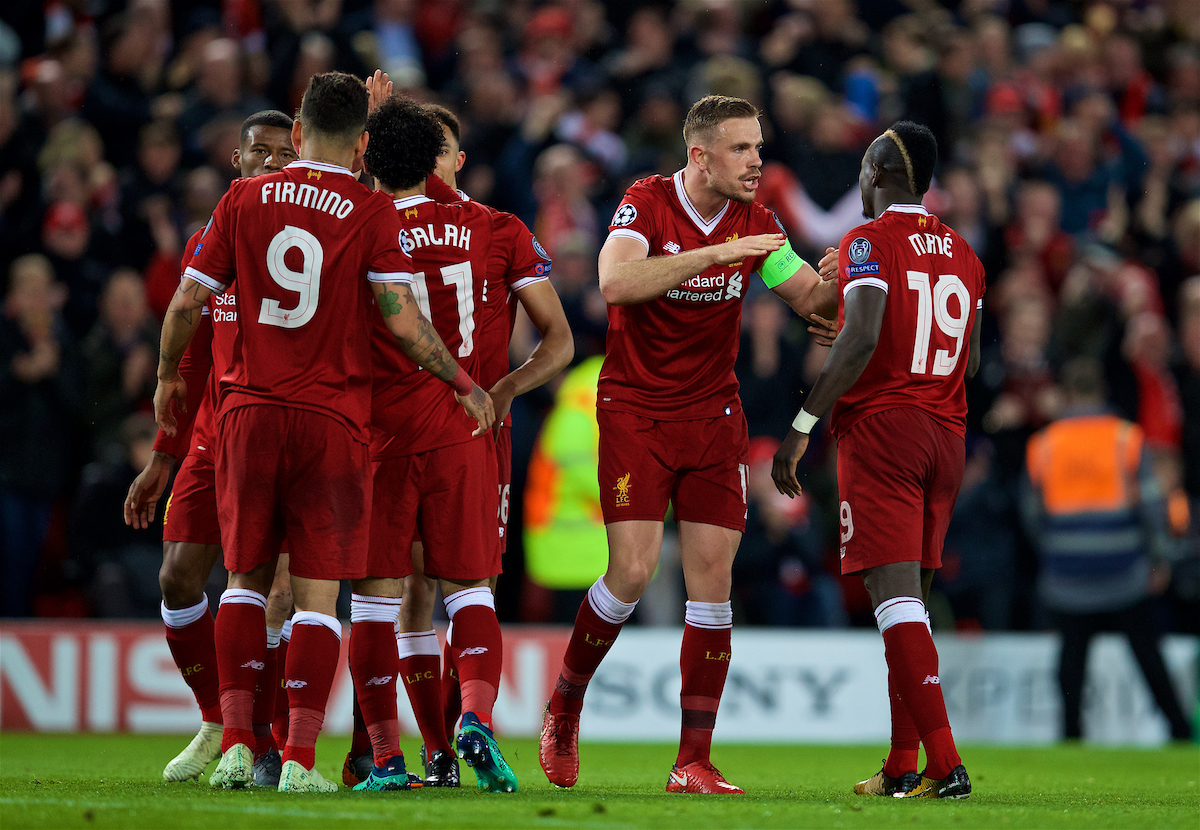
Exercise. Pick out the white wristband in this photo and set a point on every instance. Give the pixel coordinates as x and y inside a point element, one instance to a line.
<point>804,422</point>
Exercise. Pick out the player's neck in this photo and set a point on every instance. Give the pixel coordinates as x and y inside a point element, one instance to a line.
<point>316,151</point>
<point>704,199</point>
<point>404,193</point>
<point>885,200</point>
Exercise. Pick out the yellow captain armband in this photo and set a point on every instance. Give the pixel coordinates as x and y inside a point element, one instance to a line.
<point>781,265</point>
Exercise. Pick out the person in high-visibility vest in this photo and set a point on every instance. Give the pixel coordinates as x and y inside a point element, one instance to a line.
<point>566,547</point>
<point>1094,510</point>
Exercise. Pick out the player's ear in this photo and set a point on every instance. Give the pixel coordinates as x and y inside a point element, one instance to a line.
<point>697,155</point>
<point>237,159</point>
<point>462,159</point>
<point>297,135</point>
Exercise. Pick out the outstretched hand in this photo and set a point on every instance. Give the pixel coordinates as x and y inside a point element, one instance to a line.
<point>827,268</point>
<point>823,331</point>
<point>170,389</point>
<point>746,247</point>
<point>146,490</point>
<point>783,465</point>
<point>478,405</point>
<point>379,89</point>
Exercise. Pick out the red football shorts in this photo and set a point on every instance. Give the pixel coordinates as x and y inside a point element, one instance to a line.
<point>700,467</point>
<point>448,495</point>
<point>898,472</point>
<point>294,473</point>
<point>504,465</point>
<point>191,512</point>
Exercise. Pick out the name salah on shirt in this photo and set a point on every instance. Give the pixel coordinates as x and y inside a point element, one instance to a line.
<point>306,195</point>
<point>452,236</point>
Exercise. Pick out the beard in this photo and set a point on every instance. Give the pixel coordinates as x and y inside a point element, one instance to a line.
<point>734,192</point>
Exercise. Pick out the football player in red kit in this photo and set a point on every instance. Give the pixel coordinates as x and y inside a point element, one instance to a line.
<point>518,271</point>
<point>191,534</point>
<point>307,247</point>
<point>911,292</point>
<point>679,255</point>
<point>433,472</point>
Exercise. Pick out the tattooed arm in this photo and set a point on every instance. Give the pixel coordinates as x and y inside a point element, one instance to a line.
<point>179,326</point>
<point>418,339</point>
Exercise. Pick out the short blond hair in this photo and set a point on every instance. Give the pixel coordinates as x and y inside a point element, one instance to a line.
<point>709,112</point>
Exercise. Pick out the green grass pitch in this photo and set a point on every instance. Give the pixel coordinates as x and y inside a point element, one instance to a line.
<point>114,781</point>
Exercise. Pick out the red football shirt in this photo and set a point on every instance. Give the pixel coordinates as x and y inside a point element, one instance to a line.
<point>671,358</point>
<point>301,245</point>
<point>451,246</point>
<point>934,283</point>
<point>517,260</point>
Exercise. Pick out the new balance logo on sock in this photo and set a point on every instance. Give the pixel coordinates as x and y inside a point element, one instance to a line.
<point>257,665</point>
<point>475,650</point>
<point>295,684</point>
<point>379,681</point>
<point>932,678</point>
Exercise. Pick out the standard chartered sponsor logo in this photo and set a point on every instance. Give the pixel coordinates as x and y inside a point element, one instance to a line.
<point>708,289</point>
<point>224,308</point>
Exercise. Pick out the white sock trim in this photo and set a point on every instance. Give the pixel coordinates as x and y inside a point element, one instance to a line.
<point>449,632</point>
<point>286,631</point>
<point>365,608</point>
<point>928,624</point>
<point>243,596</point>
<point>900,610</point>
<point>714,615</point>
<point>471,596</point>
<point>273,636</point>
<point>412,643</point>
<point>610,609</point>
<point>180,617</point>
<point>313,618</point>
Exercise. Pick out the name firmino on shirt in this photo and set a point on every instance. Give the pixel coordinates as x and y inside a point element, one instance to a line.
<point>305,195</point>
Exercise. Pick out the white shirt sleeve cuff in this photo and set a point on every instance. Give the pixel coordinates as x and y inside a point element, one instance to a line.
<point>405,277</point>
<point>205,280</point>
<point>874,282</point>
<point>630,234</point>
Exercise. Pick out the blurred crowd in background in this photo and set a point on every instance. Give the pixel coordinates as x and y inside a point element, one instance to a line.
<point>1069,141</point>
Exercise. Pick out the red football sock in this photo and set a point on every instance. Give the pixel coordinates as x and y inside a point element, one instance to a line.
<point>420,657</point>
<point>704,663</point>
<point>241,638</point>
<point>193,646</point>
<point>451,692</point>
<point>913,662</point>
<point>902,757</point>
<point>264,703</point>
<point>478,650</point>
<point>311,666</point>
<point>591,639</point>
<point>374,665</point>
<point>279,721</point>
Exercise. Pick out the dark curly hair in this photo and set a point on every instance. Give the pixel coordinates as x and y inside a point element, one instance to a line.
<point>404,145</point>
